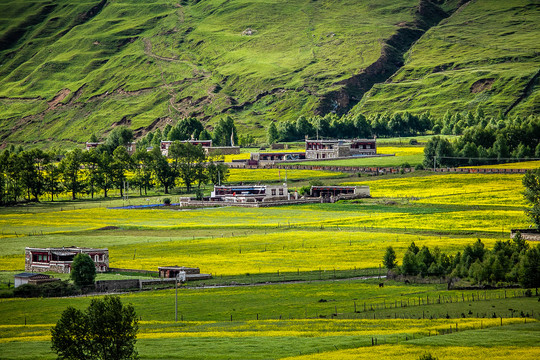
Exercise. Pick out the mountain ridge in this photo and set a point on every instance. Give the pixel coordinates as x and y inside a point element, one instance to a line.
<point>147,64</point>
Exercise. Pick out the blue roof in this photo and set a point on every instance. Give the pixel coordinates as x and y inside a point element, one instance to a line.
<point>27,275</point>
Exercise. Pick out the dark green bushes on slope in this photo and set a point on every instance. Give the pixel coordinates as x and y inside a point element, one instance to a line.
<point>481,144</point>
<point>508,262</point>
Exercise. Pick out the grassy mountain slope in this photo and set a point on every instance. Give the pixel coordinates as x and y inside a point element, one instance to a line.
<point>69,69</point>
<point>486,54</point>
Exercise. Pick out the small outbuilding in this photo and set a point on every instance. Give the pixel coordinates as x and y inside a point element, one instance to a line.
<point>32,278</point>
<point>172,272</point>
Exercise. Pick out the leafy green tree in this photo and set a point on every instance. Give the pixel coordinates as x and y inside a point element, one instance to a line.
<point>105,176</point>
<point>31,172</point>
<point>83,270</point>
<point>143,170</point>
<point>91,162</point>
<point>119,136</point>
<point>389,260</point>
<point>51,178</point>
<point>70,168</point>
<point>188,160</point>
<point>162,171</point>
<point>218,172</point>
<point>185,129</point>
<point>303,127</point>
<point>409,265</point>
<point>106,330</point>
<point>10,165</point>
<point>224,131</point>
<point>531,182</point>
<point>272,133</point>
<point>121,164</point>
<point>529,268</point>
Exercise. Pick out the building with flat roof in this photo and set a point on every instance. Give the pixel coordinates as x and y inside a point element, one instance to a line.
<point>344,192</point>
<point>250,193</point>
<point>59,259</point>
<point>331,149</point>
<point>33,278</point>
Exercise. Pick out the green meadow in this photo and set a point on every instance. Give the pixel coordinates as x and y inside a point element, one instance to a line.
<point>302,272</point>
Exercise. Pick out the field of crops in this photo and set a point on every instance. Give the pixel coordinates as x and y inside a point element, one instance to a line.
<point>325,316</point>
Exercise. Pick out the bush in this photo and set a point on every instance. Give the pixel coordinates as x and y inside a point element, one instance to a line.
<point>51,289</point>
<point>27,290</point>
<point>57,288</point>
<point>83,270</point>
<point>419,167</point>
<point>167,201</point>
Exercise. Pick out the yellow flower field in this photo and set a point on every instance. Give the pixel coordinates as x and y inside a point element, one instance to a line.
<point>406,352</point>
<point>384,329</point>
<point>400,150</point>
<point>266,175</point>
<point>516,165</point>
<point>462,189</point>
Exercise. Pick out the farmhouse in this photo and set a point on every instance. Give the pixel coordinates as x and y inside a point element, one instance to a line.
<point>32,278</point>
<point>59,259</point>
<point>206,145</point>
<point>270,157</point>
<point>187,273</point>
<point>341,192</point>
<point>331,149</point>
<point>250,193</point>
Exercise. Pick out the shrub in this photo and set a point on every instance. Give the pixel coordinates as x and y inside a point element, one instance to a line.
<point>167,201</point>
<point>27,290</point>
<point>83,270</point>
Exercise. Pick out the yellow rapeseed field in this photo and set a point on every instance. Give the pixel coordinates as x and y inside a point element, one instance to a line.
<point>462,189</point>
<point>411,352</point>
<point>400,150</point>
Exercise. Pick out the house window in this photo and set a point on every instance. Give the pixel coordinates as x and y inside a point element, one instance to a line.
<point>273,192</point>
<point>280,191</point>
<point>96,258</point>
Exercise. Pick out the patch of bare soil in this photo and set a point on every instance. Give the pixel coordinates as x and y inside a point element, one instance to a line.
<point>58,98</point>
<point>109,228</point>
<point>482,85</point>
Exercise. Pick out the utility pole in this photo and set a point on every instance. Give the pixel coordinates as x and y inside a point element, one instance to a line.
<point>176,300</point>
<point>434,162</point>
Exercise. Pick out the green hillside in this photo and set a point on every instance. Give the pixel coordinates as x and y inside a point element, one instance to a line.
<point>69,69</point>
<point>486,54</point>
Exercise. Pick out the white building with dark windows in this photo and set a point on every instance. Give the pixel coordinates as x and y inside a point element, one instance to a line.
<point>250,193</point>
<point>59,259</point>
<point>331,149</point>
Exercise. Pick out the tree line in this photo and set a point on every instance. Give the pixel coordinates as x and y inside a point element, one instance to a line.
<point>224,134</point>
<point>32,174</point>
<point>512,261</point>
<point>349,126</point>
<point>487,143</point>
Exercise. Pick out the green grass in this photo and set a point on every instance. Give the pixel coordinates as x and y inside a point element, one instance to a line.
<point>385,161</point>
<point>481,41</point>
<point>132,59</point>
<point>300,46</point>
<point>333,318</point>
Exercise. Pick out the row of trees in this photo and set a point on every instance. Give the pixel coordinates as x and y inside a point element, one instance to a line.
<point>396,124</point>
<point>35,173</point>
<point>224,133</point>
<point>349,126</point>
<point>508,262</point>
<point>481,145</point>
